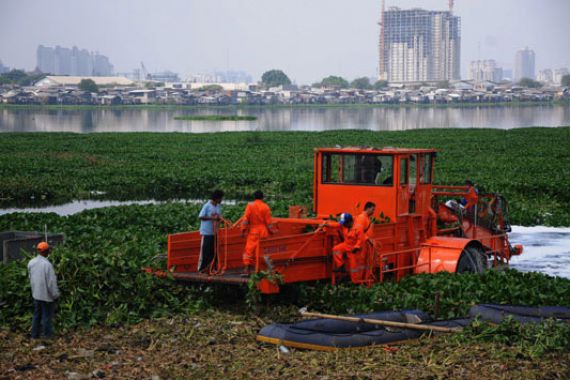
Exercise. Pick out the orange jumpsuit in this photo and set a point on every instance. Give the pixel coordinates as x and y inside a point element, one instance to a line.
<point>353,239</point>
<point>257,218</point>
<point>363,220</point>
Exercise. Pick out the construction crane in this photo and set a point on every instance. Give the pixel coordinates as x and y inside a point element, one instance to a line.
<point>145,74</point>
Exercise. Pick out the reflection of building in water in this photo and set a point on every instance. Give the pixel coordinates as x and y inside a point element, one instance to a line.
<point>288,119</point>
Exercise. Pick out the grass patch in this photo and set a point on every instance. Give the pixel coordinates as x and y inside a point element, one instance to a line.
<point>216,118</point>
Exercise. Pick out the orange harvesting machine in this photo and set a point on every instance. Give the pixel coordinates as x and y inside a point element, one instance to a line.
<point>418,226</point>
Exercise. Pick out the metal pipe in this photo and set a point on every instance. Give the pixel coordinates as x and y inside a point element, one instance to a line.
<point>404,325</point>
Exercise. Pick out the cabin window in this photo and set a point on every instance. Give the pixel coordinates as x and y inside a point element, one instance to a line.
<point>358,169</point>
<point>403,171</point>
<point>413,169</point>
<point>426,165</point>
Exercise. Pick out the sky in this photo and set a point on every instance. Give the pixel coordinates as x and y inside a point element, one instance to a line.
<point>307,39</point>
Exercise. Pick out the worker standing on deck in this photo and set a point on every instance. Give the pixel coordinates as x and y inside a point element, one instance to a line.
<point>363,219</point>
<point>44,291</point>
<point>257,224</point>
<point>209,216</point>
<point>347,253</point>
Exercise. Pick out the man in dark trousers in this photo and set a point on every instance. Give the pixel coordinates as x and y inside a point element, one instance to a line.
<point>210,215</point>
<point>44,291</point>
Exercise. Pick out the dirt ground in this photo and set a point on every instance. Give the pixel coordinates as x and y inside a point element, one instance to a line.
<point>222,345</point>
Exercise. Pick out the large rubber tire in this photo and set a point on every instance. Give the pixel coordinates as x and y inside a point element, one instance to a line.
<point>472,260</point>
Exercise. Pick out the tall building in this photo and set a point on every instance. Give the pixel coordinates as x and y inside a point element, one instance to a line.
<point>419,45</point>
<point>74,61</point>
<point>524,64</point>
<point>480,71</point>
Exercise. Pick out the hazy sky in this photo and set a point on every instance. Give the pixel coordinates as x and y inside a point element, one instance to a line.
<point>308,39</point>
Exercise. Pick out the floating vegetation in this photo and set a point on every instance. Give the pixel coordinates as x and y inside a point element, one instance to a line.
<point>216,118</point>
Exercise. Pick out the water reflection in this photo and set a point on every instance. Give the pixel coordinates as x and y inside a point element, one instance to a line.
<point>281,119</point>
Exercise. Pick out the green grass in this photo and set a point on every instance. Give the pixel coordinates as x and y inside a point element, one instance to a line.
<point>530,166</point>
<point>215,118</point>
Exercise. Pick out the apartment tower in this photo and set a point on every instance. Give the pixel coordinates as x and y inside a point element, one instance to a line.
<point>524,64</point>
<point>419,45</point>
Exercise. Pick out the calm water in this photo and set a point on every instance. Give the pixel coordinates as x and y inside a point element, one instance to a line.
<point>281,119</point>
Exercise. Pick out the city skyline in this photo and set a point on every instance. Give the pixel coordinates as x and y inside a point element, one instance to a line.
<point>307,41</point>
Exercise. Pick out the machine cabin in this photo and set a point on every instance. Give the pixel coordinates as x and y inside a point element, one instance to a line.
<point>397,180</point>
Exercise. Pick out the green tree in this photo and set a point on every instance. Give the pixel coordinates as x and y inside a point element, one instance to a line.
<point>380,84</point>
<point>20,77</point>
<point>529,83</point>
<point>212,87</point>
<point>334,81</point>
<point>150,85</point>
<point>362,83</point>
<point>274,78</point>
<point>88,85</point>
<point>565,82</point>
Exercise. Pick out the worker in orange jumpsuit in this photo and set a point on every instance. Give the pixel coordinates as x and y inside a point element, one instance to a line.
<point>347,253</point>
<point>471,197</point>
<point>363,219</point>
<point>257,223</point>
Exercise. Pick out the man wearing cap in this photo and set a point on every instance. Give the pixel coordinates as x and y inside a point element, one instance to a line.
<point>44,291</point>
<point>346,252</point>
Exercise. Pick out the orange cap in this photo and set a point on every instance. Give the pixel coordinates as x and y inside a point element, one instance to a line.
<point>43,246</point>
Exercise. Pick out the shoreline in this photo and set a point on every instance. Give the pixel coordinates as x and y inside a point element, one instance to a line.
<point>277,106</point>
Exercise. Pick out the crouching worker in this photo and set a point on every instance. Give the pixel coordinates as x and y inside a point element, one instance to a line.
<point>44,292</point>
<point>257,224</point>
<point>347,256</point>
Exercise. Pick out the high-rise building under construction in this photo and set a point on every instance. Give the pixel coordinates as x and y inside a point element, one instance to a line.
<point>419,45</point>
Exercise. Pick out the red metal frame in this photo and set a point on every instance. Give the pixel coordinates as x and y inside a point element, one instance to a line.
<point>407,241</point>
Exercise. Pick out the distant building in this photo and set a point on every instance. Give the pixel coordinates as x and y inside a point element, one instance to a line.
<point>3,69</point>
<point>164,76</point>
<point>73,81</point>
<point>524,64</point>
<point>481,71</point>
<point>221,77</point>
<point>508,74</point>
<point>558,74</point>
<point>232,77</point>
<point>419,45</point>
<point>224,86</point>
<point>74,61</point>
<point>545,76</point>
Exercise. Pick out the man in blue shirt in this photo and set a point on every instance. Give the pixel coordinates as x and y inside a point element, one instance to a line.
<point>209,216</point>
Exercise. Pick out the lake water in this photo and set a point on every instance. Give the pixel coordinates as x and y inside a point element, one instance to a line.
<point>281,119</point>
